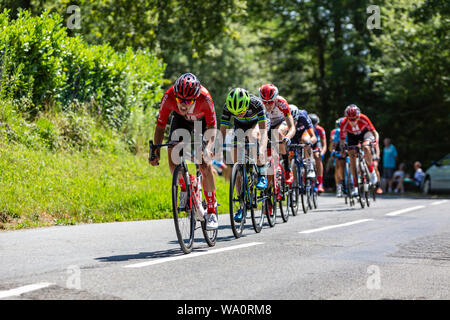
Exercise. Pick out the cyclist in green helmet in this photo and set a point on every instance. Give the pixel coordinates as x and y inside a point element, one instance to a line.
<point>249,114</point>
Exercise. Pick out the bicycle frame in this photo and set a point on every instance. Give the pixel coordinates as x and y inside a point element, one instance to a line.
<point>246,161</point>
<point>275,165</point>
<point>299,156</point>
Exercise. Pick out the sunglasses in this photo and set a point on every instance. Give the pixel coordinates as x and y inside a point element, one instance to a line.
<point>268,101</point>
<point>353,119</point>
<point>183,101</point>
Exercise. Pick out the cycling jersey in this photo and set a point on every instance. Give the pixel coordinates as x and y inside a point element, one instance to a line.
<point>320,133</point>
<point>332,134</point>
<point>336,133</point>
<point>279,112</point>
<point>304,123</point>
<point>202,108</point>
<point>255,113</point>
<point>362,125</point>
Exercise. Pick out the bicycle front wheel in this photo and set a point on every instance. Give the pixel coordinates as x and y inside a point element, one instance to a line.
<point>183,213</point>
<point>304,191</point>
<point>238,200</point>
<point>315,196</point>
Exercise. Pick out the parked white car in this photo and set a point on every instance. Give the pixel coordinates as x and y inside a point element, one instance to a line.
<point>437,177</point>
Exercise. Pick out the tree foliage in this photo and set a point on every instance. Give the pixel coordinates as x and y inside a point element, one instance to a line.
<point>321,54</point>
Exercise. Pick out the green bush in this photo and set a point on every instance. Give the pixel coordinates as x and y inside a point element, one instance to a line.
<point>57,72</point>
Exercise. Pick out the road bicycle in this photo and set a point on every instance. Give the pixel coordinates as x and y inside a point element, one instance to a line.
<point>364,181</point>
<point>373,187</point>
<point>278,190</point>
<point>363,176</point>
<point>244,196</point>
<point>302,186</point>
<point>348,182</point>
<point>187,216</point>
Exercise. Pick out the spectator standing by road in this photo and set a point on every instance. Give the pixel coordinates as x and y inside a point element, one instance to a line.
<point>390,156</point>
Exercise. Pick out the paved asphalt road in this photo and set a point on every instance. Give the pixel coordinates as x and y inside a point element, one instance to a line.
<point>399,248</point>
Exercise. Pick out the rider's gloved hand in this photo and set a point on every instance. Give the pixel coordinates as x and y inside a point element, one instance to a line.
<point>287,141</point>
<point>155,160</point>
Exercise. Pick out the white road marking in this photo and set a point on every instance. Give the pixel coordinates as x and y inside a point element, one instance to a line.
<point>438,202</point>
<point>336,226</point>
<point>191,255</point>
<point>25,289</point>
<point>395,213</point>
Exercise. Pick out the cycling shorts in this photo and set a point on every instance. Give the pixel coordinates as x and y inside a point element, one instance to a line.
<point>356,139</point>
<point>179,122</point>
<point>299,134</point>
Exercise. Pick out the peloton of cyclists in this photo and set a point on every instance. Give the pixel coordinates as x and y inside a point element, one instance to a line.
<point>190,102</point>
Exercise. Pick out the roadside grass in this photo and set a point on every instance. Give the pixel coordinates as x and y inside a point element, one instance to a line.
<point>44,188</point>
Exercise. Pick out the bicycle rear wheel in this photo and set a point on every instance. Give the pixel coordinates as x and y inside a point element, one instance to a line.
<point>366,183</point>
<point>259,212</point>
<point>284,202</point>
<point>271,207</point>
<point>315,195</point>
<point>260,197</point>
<point>348,187</point>
<point>309,193</point>
<point>294,192</point>
<point>361,195</point>
<point>209,235</point>
<point>303,189</point>
<point>238,195</point>
<point>184,218</point>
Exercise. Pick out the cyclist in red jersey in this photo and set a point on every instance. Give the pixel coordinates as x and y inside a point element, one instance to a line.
<point>359,129</point>
<point>320,148</point>
<point>280,118</point>
<point>191,105</point>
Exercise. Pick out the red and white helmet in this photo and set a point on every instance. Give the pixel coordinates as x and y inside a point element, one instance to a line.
<point>352,111</point>
<point>187,87</point>
<point>268,92</point>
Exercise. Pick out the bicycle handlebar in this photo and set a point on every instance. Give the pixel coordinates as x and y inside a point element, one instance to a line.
<point>225,145</point>
<point>170,144</point>
<point>299,145</point>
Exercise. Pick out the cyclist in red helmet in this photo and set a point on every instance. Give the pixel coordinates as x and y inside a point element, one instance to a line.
<point>281,120</point>
<point>190,102</point>
<point>359,129</point>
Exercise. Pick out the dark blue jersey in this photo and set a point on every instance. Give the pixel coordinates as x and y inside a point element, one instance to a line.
<point>303,122</point>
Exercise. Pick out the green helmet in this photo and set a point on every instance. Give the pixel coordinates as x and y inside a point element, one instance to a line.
<point>238,101</point>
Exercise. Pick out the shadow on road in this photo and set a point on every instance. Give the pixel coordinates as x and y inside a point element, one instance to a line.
<point>166,253</point>
<point>143,255</point>
<point>333,210</point>
<point>178,252</point>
